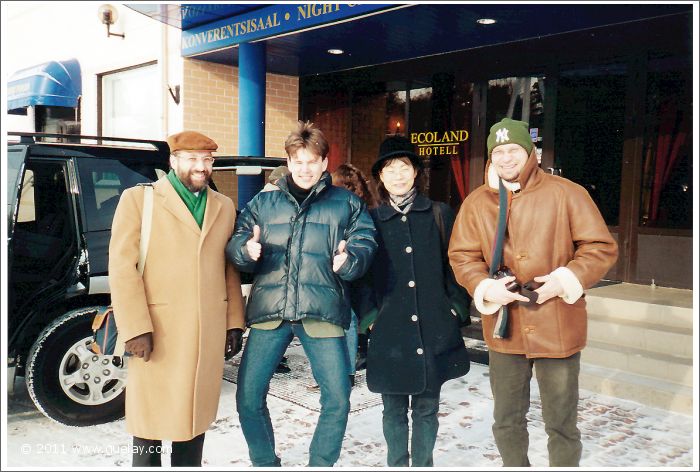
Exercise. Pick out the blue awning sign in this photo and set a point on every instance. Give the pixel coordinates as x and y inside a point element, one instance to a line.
<point>267,22</point>
<point>53,83</point>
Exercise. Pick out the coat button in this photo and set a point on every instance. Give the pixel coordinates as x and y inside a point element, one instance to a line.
<point>414,318</point>
<point>419,351</point>
<point>404,219</point>
<point>409,249</point>
<point>527,330</point>
<point>411,284</point>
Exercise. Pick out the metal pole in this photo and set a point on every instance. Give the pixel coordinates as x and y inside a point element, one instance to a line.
<point>251,114</point>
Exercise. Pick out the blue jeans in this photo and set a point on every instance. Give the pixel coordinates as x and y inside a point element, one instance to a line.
<point>328,358</point>
<point>351,339</point>
<point>425,427</point>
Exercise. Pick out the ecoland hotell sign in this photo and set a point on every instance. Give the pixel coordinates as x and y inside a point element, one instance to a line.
<point>267,22</point>
<point>439,143</point>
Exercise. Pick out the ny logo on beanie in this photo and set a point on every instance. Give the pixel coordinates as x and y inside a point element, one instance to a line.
<point>509,131</point>
<point>502,135</point>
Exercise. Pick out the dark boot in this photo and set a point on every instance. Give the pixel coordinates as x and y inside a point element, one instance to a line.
<point>283,367</point>
<point>146,452</point>
<point>187,453</point>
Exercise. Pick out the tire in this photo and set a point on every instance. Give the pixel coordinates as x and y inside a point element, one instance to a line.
<point>69,383</point>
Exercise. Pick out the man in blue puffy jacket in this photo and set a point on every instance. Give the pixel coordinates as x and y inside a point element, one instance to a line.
<point>304,244</point>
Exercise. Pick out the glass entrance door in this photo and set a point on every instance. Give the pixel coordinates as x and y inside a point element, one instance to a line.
<point>519,98</point>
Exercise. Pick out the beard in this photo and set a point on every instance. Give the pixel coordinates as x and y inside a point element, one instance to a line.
<point>186,179</point>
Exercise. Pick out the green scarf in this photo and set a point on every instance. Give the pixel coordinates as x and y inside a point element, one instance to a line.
<point>195,203</point>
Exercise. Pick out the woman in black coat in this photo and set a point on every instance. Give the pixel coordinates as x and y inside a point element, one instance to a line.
<point>412,305</point>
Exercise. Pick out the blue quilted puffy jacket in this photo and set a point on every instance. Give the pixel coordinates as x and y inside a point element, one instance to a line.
<point>294,276</point>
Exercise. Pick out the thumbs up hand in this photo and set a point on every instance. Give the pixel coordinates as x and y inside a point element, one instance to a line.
<point>253,245</point>
<point>340,257</point>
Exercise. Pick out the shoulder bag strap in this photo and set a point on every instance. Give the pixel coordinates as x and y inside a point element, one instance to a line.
<point>146,220</point>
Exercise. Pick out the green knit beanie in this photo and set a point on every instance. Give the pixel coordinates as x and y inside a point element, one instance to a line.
<point>509,131</point>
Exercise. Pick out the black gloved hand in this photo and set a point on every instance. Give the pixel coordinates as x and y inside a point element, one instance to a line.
<point>234,342</point>
<point>140,346</point>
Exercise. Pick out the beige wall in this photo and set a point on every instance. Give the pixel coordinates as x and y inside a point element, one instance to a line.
<point>210,100</point>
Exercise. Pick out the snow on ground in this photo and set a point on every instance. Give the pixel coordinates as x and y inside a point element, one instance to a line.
<point>615,433</point>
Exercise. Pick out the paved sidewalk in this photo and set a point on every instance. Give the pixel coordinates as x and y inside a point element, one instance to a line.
<point>615,433</point>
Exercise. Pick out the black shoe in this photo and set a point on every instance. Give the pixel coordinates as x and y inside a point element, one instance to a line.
<point>282,367</point>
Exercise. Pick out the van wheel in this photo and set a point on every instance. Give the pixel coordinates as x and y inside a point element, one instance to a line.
<point>67,381</point>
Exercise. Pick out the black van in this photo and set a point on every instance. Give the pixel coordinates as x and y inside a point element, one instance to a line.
<point>61,200</point>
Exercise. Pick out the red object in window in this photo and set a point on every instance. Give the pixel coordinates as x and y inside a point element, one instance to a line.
<point>672,135</point>
<point>460,170</point>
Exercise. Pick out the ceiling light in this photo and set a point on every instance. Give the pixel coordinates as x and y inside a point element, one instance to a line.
<point>486,21</point>
<point>336,51</point>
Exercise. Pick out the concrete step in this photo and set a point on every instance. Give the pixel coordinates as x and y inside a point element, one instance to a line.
<point>640,345</point>
<point>657,366</point>
<point>665,307</point>
<point>640,335</point>
<point>644,390</point>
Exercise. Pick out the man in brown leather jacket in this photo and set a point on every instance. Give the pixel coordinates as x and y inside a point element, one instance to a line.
<point>555,244</point>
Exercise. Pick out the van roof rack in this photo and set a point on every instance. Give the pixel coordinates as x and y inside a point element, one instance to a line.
<point>27,137</point>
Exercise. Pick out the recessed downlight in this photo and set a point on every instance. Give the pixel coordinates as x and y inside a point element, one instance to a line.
<point>336,52</point>
<point>486,21</point>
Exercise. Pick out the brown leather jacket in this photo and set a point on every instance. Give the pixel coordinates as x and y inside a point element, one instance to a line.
<point>553,223</point>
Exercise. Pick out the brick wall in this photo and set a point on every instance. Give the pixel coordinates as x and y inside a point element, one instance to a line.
<point>210,106</point>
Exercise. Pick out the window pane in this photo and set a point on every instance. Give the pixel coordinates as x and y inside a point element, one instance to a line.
<point>102,182</point>
<point>43,231</point>
<point>131,103</point>
<point>461,122</point>
<point>15,158</point>
<point>519,98</point>
<point>396,112</point>
<point>589,133</point>
<point>667,183</point>
<point>26,211</point>
<point>420,109</point>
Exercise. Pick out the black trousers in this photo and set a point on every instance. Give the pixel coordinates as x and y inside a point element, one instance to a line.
<point>146,452</point>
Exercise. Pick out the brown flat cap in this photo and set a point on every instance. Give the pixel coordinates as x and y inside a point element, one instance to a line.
<point>191,141</point>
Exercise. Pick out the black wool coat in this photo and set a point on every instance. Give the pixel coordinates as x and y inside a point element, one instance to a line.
<point>415,344</point>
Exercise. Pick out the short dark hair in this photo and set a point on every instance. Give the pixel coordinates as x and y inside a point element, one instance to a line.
<point>419,182</point>
<point>352,178</point>
<point>306,136</point>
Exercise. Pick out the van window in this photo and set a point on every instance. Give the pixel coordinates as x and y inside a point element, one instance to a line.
<point>102,182</point>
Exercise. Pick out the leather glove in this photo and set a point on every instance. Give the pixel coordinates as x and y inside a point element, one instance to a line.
<point>140,346</point>
<point>234,342</point>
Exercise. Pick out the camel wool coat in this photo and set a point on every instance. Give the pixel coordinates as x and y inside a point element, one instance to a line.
<point>188,297</point>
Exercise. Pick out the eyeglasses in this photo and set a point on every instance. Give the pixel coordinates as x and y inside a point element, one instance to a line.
<point>208,161</point>
<point>393,173</point>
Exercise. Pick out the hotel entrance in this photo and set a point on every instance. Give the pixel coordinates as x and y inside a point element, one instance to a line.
<point>619,126</point>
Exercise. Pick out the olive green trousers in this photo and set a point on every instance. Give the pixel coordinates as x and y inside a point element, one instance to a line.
<point>510,376</point>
